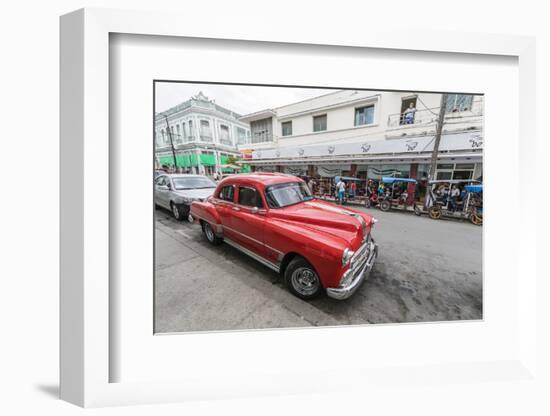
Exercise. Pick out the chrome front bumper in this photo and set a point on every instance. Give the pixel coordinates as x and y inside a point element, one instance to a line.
<point>358,273</point>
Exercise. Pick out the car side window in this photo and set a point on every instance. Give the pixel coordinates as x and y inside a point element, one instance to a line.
<point>250,197</point>
<point>160,180</point>
<point>227,193</point>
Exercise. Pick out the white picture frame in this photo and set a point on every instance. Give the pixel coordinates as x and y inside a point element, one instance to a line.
<point>85,213</point>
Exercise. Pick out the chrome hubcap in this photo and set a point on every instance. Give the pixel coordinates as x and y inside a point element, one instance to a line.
<point>305,281</point>
<point>175,211</point>
<point>208,231</point>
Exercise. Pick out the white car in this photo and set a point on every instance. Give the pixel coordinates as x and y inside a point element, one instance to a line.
<point>176,192</point>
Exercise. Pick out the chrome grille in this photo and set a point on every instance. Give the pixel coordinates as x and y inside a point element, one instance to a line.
<point>360,255</point>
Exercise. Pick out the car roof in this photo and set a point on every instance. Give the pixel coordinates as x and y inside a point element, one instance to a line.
<point>185,175</point>
<point>260,178</point>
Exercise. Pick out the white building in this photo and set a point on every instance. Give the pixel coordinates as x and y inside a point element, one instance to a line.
<point>204,135</point>
<point>366,134</point>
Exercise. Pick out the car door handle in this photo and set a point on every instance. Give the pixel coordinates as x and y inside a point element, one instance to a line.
<point>236,209</point>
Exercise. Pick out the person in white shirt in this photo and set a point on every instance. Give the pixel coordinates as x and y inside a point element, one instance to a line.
<point>341,188</point>
<point>455,193</point>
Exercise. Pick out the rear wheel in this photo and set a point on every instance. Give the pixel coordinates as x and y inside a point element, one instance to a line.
<point>385,205</point>
<point>435,213</point>
<point>210,235</point>
<point>302,280</point>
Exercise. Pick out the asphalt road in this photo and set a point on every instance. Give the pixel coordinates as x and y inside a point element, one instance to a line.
<point>426,271</point>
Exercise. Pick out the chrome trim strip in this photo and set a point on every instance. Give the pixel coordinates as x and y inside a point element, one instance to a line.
<point>254,240</point>
<point>275,250</point>
<point>218,228</point>
<point>225,227</point>
<point>255,256</point>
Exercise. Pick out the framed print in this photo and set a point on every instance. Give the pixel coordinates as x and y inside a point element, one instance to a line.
<point>238,214</point>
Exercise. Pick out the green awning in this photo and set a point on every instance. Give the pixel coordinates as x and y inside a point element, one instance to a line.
<point>183,160</point>
<point>208,159</point>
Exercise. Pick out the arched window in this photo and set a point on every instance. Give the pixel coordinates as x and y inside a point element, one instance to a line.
<point>205,131</point>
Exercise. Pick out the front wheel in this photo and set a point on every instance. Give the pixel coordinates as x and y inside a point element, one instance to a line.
<point>210,235</point>
<point>179,211</point>
<point>417,211</point>
<point>302,280</point>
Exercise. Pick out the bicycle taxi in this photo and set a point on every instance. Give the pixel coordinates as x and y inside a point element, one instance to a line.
<point>395,194</point>
<point>440,201</point>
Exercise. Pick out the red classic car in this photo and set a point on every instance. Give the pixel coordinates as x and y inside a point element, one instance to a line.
<point>273,218</point>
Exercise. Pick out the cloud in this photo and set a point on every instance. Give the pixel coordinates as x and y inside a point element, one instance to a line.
<point>239,98</point>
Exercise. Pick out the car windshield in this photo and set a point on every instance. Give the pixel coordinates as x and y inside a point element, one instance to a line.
<point>193,182</point>
<point>285,194</point>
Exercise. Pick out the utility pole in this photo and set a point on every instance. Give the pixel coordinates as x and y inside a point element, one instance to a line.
<point>171,142</point>
<point>438,131</point>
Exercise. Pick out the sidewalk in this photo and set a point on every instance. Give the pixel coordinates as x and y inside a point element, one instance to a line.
<point>200,288</point>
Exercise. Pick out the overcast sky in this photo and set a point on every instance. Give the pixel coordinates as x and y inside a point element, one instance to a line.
<point>241,99</point>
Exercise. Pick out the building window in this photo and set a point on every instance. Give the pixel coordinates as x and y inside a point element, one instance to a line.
<point>178,134</point>
<point>241,135</point>
<point>458,171</point>
<point>459,102</point>
<point>286,128</point>
<point>224,135</point>
<point>183,132</point>
<point>320,123</point>
<point>261,130</point>
<point>162,136</point>
<point>206,131</point>
<point>364,115</point>
<point>191,136</point>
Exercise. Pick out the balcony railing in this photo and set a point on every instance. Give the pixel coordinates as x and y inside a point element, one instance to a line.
<point>260,138</point>
<point>430,115</point>
<point>418,117</point>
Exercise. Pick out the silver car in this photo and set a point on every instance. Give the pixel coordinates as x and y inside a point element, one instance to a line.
<point>176,192</point>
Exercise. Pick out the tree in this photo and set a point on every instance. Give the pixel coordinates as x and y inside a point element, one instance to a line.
<point>232,160</point>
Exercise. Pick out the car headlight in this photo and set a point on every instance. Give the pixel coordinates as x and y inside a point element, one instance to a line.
<point>346,256</point>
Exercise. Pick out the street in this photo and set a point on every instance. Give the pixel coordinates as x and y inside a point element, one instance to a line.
<point>426,271</point>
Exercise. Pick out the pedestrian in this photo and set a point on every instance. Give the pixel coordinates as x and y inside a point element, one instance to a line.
<point>341,189</point>
<point>352,189</point>
<point>454,194</point>
<point>408,114</point>
<point>311,184</point>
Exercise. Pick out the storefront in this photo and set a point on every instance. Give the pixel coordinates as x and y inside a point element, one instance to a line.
<point>205,162</point>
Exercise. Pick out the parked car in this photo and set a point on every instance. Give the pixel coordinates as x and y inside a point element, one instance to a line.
<point>315,245</point>
<point>159,172</point>
<point>176,192</point>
